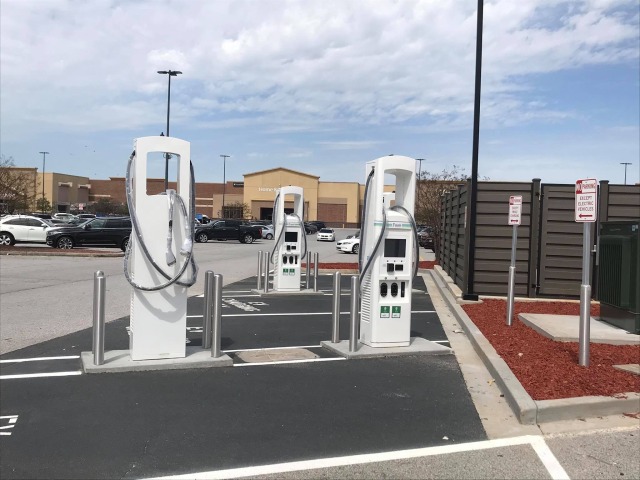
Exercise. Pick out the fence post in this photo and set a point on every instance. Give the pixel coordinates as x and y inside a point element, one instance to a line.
<point>534,238</point>
<point>353,337</point>
<point>99,289</point>
<point>207,309</point>
<point>335,333</point>
<point>217,315</point>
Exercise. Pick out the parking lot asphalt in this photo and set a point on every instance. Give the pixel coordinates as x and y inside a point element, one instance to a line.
<point>175,422</point>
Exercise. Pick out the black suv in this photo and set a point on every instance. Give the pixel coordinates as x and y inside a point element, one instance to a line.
<point>102,232</point>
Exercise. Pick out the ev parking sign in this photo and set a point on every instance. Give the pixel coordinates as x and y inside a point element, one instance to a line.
<point>586,200</point>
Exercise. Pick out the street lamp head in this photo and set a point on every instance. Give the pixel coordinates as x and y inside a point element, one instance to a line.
<point>173,73</point>
<point>162,72</point>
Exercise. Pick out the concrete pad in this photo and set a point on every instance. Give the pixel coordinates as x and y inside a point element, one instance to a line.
<point>116,361</point>
<point>631,368</point>
<point>418,346</point>
<point>564,328</point>
<point>261,356</point>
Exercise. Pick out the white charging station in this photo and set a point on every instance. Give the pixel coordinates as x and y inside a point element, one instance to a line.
<point>159,260</point>
<point>290,236</point>
<point>388,253</point>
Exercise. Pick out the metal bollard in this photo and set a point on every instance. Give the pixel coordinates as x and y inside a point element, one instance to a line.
<point>266,272</point>
<point>355,294</point>
<point>335,333</point>
<point>207,310</point>
<point>99,289</point>
<point>217,315</point>
<point>316,263</point>
<point>259,285</point>
<point>308,268</point>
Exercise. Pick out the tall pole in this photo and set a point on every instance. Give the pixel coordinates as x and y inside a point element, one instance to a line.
<point>44,157</point>
<point>224,179</point>
<point>473,197</point>
<point>626,164</point>
<point>169,73</point>
<point>419,178</point>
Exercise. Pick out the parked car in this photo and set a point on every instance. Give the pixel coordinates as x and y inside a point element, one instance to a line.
<point>326,235</point>
<point>267,231</point>
<point>349,245</point>
<point>228,230</point>
<point>23,229</point>
<point>85,215</point>
<point>103,232</point>
<point>67,217</point>
<point>318,224</point>
<point>46,216</point>
<point>310,228</point>
<point>425,237</point>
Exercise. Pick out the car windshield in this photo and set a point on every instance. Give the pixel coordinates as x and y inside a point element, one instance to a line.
<point>326,230</point>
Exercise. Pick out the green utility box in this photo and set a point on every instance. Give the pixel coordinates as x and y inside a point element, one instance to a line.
<point>619,274</point>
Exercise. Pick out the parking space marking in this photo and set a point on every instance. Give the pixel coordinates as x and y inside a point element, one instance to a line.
<point>291,314</point>
<point>39,359</point>
<point>11,420</point>
<point>38,375</point>
<point>270,348</point>
<point>537,443</point>
<point>282,362</point>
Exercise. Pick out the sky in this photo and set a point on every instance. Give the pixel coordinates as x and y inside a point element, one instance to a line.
<point>323,86</point>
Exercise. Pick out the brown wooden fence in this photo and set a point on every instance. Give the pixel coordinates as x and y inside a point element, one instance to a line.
<point>549,247</point>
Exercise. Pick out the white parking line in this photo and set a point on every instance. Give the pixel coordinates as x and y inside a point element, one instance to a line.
<point>38,375</point>
<point>39,359</point>
<point>550,462</point>
<point>270,348</point>
<point>282,362</point>
<point>291,314</point>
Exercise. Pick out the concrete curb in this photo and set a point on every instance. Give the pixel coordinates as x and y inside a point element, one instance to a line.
<point>527,410</point>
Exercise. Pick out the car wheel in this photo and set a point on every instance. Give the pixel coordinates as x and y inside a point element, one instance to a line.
<point>355,248</point>
<point>6,239</point>
<point>202,238</point>
<point>247,239</point>
<point>269,236</point>
<point>65,243</point>
<point>123,245</point>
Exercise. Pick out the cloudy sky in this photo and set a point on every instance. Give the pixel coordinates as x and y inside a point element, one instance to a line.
<point>323,86</point>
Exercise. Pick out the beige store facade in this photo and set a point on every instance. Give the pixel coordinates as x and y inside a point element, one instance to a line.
<point>338,204</point>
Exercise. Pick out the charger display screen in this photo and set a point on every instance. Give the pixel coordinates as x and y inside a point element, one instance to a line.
<point>291,237</point>
<point>395,247</point>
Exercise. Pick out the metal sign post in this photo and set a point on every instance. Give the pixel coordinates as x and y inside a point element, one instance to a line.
<point>515,218</point>
<point>585,213</point>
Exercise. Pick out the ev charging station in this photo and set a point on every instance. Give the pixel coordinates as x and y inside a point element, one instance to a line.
<point>160,270</point>
<point>289,233</point>
<point>388,253</point>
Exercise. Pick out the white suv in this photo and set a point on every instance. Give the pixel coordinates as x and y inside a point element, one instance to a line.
<point>23,228</point>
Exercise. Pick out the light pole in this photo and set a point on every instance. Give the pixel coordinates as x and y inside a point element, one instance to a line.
<point>168,73</point>
<point>224,179</point>
<point>44,157</point>
<point>419,178</point>
<point>626,164</point>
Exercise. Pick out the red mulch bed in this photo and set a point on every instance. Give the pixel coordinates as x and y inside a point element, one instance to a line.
<point>548,369</point>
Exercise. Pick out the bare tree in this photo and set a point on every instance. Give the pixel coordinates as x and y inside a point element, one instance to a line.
<point>17,187</point>
<point>429,191</point>
<point>237,210</point>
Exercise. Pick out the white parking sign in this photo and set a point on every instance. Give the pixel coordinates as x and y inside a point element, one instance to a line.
<point>586,200</point>
<point>515,209</point>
